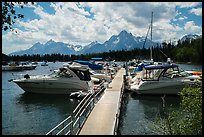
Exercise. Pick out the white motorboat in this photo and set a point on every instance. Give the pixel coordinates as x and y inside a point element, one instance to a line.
<point>162,79</point>
<point>100,76</point>
<point>44,63</point>
<point>18,67</point>
<point>63,81</point>
<point>35,63</point>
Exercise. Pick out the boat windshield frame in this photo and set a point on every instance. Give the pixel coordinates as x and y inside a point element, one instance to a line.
<point>61,74</point>
<point>155,72</point>
<point>83,74</point>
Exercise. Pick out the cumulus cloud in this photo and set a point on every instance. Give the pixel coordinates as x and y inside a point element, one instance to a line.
<point>188,4</point>
<point>191,27</point>
<point>84,22</point>
<point>196,11</point>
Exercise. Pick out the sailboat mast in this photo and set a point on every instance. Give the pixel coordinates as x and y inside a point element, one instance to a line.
<point>151,37</point>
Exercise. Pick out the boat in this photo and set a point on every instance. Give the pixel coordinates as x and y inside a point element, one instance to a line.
<point>18,66</point>
<point>198,73</point>
<point>35,63</point>
<point>44,63</point>
<point>162,79</point>
<point>63,81</point>
<point>100,76</point>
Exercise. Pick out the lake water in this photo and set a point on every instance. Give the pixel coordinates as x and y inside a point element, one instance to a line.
<point>28,114</point>
<point>36,114</point>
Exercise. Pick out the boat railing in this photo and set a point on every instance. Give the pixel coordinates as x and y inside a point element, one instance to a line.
<point>73,123</point>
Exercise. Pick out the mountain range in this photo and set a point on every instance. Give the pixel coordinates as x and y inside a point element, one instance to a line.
<point>122,41</point>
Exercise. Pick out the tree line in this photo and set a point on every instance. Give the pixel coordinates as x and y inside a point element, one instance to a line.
<point>182,52</point>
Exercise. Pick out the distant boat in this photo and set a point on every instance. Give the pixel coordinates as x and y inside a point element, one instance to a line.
<point>44,63</point>
<point>35,63</point>
<point>18,66</point>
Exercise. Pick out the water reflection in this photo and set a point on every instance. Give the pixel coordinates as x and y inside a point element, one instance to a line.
<point>139,112</point>
<point>36,113</point>
<point>61,102</point>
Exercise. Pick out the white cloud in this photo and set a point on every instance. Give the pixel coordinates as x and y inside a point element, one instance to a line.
<point>28,5</point>
<point>188,4</point>
<point>196,11</point>
<point>191,27</point>
<point>182,18</point>
<point>69,24</point>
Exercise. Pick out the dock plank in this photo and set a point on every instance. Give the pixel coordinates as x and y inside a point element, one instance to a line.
<point>101,120</point>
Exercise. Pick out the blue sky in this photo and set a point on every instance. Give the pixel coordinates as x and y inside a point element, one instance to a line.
<point>85,22</point>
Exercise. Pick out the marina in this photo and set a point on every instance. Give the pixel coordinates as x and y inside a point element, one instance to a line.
<point>73,69</point>
<point>41,108</point>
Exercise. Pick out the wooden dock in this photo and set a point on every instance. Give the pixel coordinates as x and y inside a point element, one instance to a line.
<point>103,118</point>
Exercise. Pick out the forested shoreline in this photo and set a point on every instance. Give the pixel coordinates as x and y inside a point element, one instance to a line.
<point>186,52</point>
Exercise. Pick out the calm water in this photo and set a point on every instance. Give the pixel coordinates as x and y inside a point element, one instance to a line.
<point>27,114</point>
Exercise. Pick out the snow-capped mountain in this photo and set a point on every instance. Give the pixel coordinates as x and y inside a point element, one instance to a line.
<point>189,38</point>
<point>122,41</point>
<point>51,47</point>
<point>90,48</point>
<point>77,47</point>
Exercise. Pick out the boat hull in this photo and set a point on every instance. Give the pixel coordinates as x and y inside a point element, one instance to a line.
<point>52,87</point>
<point>169,90</point>
<point>170,87</point>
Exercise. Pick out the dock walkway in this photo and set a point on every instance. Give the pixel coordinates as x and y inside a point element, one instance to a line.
<point>102,119</point>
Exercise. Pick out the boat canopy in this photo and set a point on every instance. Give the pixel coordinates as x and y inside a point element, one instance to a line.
<point>140,67</point>
<point>82,73</point>
<point>163,66</point>
<point>90,64</point>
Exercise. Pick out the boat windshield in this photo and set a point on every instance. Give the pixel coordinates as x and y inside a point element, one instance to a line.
<point>83,75</point>
<point>176,72</point>
<point>61,73</point>
<point>156,74</point>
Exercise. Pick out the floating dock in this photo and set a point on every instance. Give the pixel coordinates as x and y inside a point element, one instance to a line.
<point>103,119</point>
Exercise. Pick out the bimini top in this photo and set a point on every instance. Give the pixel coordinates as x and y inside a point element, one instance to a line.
<point>163,66</point>
<point>140,67</point>
<point>90,64</point>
